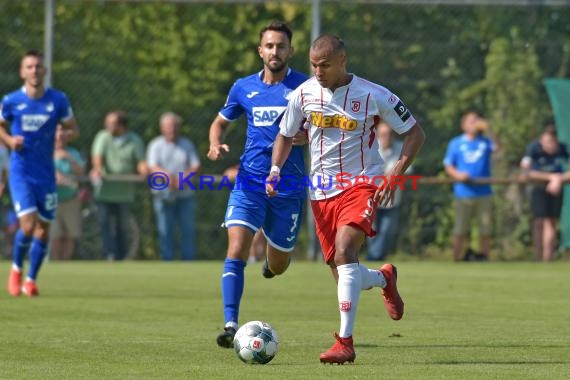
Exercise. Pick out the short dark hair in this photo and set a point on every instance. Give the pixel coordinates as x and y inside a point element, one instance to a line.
<point>277,26</point>
<point>33,53</point>
<point>122,117</point>
<point>329,41</point>
<point>468,113</point>
<point>549,129</point>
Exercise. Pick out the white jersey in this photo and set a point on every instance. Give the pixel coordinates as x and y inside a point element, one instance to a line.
<point>341,131</point>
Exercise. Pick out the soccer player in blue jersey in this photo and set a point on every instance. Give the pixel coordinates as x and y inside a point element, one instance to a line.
<point>33,113</point>
<point>263,98</point>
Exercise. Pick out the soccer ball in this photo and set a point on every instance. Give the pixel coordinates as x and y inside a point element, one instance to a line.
<point>256,342</point>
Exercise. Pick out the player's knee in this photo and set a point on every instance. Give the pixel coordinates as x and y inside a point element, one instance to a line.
<point>27,226</point>
<point>344,254</point>
<point>42,235</point>
<point>238,251</point>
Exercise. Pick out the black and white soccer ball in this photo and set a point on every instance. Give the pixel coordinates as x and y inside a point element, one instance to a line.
<point>256,342</point>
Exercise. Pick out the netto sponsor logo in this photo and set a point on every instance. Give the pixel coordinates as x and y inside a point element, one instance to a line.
<point>335,121</point>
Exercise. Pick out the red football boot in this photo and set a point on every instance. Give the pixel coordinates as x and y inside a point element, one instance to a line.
<point>341,351</point>
<point>15,283</point>
<point>30,289</point>
<point>392,300</point>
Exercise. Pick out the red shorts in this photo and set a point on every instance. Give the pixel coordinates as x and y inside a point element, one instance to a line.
<point>354,206</point>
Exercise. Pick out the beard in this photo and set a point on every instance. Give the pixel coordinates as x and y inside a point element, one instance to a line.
<point>276,67</point>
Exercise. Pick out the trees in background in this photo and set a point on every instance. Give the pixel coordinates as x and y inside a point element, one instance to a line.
<point>147,58</point>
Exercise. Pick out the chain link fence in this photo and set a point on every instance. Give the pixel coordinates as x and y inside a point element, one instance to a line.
<point>148,57</point>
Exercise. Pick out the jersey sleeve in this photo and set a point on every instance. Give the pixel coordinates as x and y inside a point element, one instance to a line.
<point>450,158</point>
<point>232,109</point>
<point>394,112</point>
<point>564,151</point>
<point>293,117</point>
<point>65,111</point>
<point>152,153</point>
<point>526,161</point>
<point>5,109</point>
<point>98,147</point>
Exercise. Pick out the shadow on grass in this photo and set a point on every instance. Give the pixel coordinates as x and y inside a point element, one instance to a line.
<point>497,362</point>
<point>451,346</point>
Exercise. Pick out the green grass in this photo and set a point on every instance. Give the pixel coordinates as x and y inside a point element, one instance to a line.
<point>140,320</point>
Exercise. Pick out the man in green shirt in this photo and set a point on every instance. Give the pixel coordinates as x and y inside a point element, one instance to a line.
<point>115,151</point>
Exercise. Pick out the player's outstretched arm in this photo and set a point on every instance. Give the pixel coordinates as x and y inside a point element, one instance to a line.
<point>216,137</point>
<point>281,149</point>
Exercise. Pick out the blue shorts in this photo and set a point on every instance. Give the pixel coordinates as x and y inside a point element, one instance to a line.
<point>33,197</point>
<point>280,218</point>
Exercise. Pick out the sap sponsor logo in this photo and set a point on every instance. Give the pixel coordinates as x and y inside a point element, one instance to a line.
<point>335,121</point>
<point>31,123</point>
<point>266,116</point>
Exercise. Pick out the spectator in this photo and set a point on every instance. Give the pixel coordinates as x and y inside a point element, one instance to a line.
<point>388,217</point>
<point>468,158</point>
<point>115,151</point>
<point>546,160</point>
<point>172,154</point>
<point>66,228</point>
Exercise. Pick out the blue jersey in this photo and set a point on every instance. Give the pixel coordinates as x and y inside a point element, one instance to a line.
<point>36,120</point>
<point>471,156</point>
<point>264,105</point>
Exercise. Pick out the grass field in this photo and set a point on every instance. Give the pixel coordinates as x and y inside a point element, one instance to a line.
<point>139,320</point>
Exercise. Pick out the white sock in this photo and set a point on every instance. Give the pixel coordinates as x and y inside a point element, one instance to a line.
<point>233,325</point>
<point>371,278</point>
<point>348,290</point>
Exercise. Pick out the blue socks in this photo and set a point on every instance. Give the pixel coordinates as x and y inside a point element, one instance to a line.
<point>232,289</point>
<point>37,254</point>
<point>20,249</point>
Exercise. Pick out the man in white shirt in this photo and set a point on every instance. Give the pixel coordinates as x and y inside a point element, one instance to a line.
<point>173,154</point>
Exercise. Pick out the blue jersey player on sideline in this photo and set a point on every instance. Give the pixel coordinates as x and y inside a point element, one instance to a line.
<point>263,98</point>
<point>33,113</point>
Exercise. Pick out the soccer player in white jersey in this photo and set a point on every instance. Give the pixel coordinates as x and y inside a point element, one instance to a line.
<point>33,113</point>
<point>262,97</point>
<point>342,110</point>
